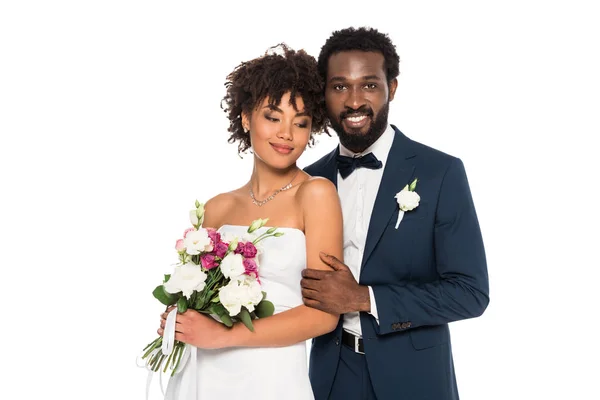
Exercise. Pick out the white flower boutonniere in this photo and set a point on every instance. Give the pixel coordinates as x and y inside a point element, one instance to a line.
<point>407,200</point>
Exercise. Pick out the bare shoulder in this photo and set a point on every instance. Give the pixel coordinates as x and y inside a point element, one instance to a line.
<point>317,189</point>
<point>217,208</point>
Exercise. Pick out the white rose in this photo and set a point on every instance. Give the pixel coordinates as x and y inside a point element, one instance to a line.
<point>240,292</point>
<point>232,265</point>
<point>407,200</point>
<point>255,295</point>
<point>197,242</point>
<point>186,278</point>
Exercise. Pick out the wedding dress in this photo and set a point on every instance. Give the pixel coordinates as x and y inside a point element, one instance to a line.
<point>276,373</point>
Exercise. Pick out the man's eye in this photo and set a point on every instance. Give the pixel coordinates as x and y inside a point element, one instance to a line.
<point>339,88</point>
<point>371,85</point>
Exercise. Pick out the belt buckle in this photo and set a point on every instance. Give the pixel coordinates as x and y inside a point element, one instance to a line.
<point>356,345</point>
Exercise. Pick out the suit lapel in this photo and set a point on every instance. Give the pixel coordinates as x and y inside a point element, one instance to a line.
<point>397,173</point>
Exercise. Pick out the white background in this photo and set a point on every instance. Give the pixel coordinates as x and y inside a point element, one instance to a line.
<point>111,127</point>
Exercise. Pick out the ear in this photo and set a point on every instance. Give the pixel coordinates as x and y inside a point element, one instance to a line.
<point>393,85</point>
<point>245,122</point>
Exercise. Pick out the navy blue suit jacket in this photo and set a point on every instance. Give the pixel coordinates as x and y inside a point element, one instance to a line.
<point>428,272</point>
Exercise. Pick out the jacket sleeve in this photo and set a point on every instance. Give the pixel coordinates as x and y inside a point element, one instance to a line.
<point>462,289</point>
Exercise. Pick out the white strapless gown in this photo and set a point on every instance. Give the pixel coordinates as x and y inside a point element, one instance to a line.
<point>257,373</point>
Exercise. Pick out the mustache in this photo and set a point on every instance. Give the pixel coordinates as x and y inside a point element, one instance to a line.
<point>362,110</point>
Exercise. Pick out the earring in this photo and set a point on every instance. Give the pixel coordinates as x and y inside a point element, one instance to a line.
<point>245,130</point>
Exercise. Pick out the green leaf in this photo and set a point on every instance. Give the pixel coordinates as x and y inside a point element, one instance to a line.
<point>222,313</point>
<point>168,299</point>
<point>244,316</point>
<point>182,304</point>
<point>226,319</point>
<point>197,204</point>
<point>278,234</point>
<point>215,300</point>
<point>167,277</point>
<point>264,309</point>
<point>413,185</point>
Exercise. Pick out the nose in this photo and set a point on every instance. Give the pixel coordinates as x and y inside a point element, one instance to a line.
<point>354,99</point>
<point>285,133</point>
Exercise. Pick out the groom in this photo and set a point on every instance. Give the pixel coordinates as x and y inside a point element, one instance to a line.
<point>407,273</point>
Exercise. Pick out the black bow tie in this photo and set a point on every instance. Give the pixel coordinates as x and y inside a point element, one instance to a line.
<point>348,164</point>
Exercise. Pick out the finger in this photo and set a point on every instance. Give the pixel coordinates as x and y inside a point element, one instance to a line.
<point>167,311</point>
<point>310,284</point>
<point>181,337</point>
<point>310,294</point>
<point>308,273</point>
<point>312,304</point>
<point>332,261</point>
<point>160,332</point>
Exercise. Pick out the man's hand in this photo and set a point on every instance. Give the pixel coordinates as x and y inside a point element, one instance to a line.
<point>335,292</point>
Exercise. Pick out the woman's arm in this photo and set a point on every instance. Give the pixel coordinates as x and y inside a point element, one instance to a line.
<point>323,229</point>
<point>322,213</point>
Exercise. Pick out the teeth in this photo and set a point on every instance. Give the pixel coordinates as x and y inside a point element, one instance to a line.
<point>356,119</point>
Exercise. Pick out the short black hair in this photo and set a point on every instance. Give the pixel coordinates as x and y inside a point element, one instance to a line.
<point>362,39</point>
<point>278,71</point>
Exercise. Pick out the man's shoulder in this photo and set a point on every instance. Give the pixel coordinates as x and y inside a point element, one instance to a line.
<point>317,168</point>
<point>431,156</point>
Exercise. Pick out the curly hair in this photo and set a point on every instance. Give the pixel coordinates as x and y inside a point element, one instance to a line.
<point>280,70</point>
<point>363,39</point>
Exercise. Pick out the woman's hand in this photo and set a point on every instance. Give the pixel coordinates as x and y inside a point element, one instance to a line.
<point>197,329</point>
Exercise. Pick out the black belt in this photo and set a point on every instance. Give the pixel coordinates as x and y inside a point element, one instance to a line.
<point>354,342</point>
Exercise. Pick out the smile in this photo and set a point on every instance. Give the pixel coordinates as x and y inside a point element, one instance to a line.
<point>356,121</point>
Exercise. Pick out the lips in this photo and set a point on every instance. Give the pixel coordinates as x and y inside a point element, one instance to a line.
<point>282,148</point>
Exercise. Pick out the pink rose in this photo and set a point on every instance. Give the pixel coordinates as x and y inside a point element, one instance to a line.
<point>249,250</point>
<point>208,261</point>
<point>180,246</point>
<point>221,249</point>
<point>214,235</point>
<point>188,230</point>
<point>251,268</point>
<point>240,248</point>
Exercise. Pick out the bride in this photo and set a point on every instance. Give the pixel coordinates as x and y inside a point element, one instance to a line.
<point>274,104</point>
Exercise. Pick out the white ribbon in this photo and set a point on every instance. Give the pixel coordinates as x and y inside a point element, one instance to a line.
<point>400,215</point>
<point>169,333</point>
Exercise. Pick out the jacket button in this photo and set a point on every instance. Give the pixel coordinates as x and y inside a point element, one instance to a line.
<point>337,341</point>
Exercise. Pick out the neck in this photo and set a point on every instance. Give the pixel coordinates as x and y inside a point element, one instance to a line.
<point>265,179</point>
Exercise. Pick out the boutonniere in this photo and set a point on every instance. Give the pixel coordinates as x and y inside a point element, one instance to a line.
<point>407,200</point>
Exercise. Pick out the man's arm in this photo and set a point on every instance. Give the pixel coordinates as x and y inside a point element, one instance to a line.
<point>462,290</point>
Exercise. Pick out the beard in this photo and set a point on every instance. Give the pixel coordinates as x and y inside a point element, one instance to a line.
<point>353,139</point>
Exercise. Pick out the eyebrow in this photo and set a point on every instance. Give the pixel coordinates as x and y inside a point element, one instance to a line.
<point>364,78</point>
<point>275,108</point>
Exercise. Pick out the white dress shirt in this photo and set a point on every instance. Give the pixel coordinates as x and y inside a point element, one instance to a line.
<point>357,194</point>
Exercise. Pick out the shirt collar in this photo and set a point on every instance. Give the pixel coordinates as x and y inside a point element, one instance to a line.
<point>380,148</point>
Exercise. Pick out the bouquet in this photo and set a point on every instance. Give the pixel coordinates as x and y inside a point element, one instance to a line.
<point>213,276</point>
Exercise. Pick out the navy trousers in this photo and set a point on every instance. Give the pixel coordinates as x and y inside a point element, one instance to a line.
<point>352,381</point>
